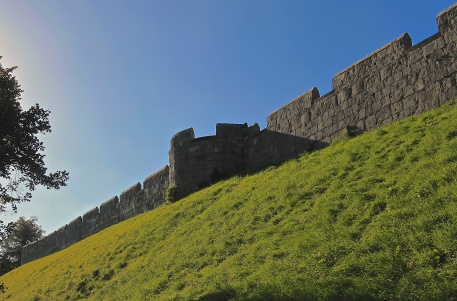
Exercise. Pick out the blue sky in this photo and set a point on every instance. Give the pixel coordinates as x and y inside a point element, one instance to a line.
<point>122,77</point>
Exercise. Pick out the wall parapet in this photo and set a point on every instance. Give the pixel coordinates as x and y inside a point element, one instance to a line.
<point>372,63</point>
<point>198,162</point>
<point>396,81</point>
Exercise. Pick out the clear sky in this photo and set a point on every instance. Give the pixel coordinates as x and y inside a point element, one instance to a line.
<point>122,77</point>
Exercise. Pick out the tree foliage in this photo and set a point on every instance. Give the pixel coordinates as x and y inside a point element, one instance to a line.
<point>21,159</point>
<point>17,235</point>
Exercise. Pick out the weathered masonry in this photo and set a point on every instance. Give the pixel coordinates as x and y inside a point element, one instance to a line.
<point>198,162</point>
<point>394,82</point>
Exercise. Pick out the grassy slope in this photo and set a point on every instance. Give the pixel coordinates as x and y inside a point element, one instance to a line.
<point>368,218</point>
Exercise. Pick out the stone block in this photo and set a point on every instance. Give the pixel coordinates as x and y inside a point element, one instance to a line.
<point>409,102</point>
<point>76,222</point>
<point>370,123</point>
<point>91,214</point>
<point>182,137</point>
<point>446,22</point>
<point>130,193</point>
<point>109,206</point>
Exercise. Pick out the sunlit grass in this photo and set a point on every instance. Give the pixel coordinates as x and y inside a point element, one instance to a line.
<point>368,218</point>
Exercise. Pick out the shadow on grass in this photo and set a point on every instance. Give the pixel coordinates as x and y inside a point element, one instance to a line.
<point>264,294</point>
<point>221,295</point>
<point>339,290</point>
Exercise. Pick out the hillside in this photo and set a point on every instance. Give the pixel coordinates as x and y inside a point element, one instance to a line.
<point>368,218</point>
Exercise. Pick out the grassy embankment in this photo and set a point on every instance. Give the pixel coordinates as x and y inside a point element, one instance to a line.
<point>368,218</point>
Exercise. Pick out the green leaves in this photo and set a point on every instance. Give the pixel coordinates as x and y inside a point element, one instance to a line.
<point>21,158</point>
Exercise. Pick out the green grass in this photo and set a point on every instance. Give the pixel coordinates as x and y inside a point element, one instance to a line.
<point>368,218</point>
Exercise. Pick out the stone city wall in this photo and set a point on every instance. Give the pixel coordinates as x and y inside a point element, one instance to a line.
<point>394,82</point>
<point>196,163</point>
<point>132,201</point>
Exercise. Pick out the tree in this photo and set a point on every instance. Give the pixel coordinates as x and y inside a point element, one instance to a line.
<point>17,235</point>
<point>21,160</point>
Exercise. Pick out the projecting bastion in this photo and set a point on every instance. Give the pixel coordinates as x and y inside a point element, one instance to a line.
<point>394,82</point>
